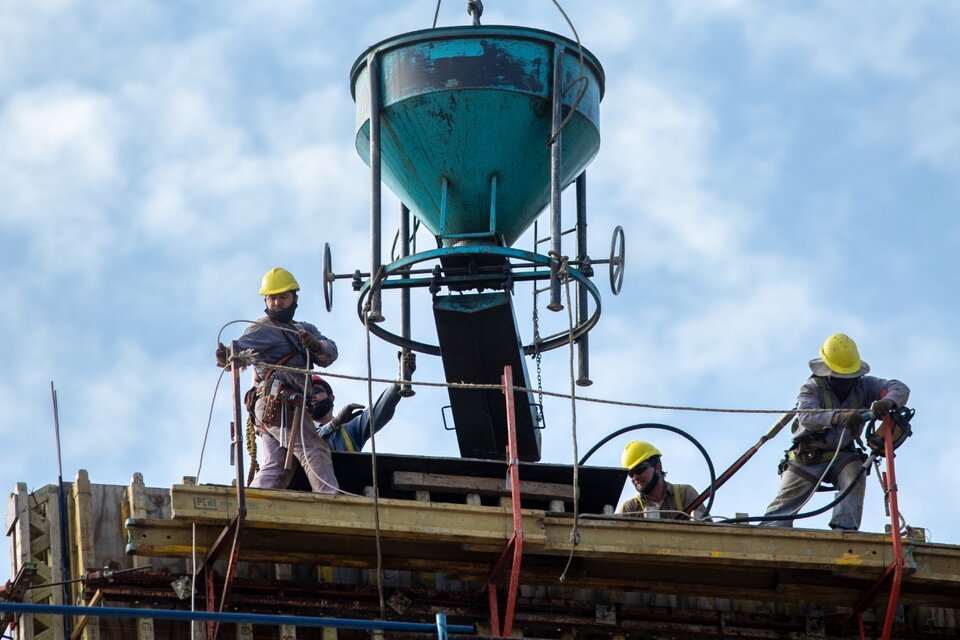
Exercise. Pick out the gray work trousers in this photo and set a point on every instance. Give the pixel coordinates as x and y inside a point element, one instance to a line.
<point>310,450</point>
<point>794,489</point>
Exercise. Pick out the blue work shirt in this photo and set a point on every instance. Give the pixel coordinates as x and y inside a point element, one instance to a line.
<point>352,435</point>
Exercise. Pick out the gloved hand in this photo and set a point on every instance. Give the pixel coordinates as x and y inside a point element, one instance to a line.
<point>882,407</point>
<point>221,354</point>
<point>348,413</point>
<point>854,422</point>
<point>310,341</point>
<point>408,364</point>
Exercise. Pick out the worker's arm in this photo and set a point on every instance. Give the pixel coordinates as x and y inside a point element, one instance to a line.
<point>323,350</point>
<point>810,398</point>
<point>383,410</point>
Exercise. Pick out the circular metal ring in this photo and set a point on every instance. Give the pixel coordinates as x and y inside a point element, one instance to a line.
<point>327,277</point>
<point>618,256</point>
<point>534,259</point>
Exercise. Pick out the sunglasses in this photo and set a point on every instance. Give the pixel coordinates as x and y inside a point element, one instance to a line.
<point>639,469</point>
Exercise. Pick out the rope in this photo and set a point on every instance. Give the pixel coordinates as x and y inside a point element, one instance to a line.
<point>206,432</point>
<point>582,80</point>
<point>564,273</point>
<point>436,14</point>
<point>373,447</point>
<point>565,396</point>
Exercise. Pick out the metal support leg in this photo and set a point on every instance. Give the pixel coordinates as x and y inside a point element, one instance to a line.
<point>556,147</point>
<point>376,307</point>
<point>583,342</point>
<point>514,546</point>
<point>405,389</point>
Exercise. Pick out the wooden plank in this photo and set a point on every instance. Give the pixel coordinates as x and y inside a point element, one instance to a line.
<point>84,534</point>
<point>614,552</point>
<point>444,483</point>
<point>21,550</point>
<point>137,505</point>
<point>403,519</point>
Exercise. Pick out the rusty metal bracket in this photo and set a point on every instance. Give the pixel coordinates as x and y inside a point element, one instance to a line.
<point>234,529</point>
<point>894,572</point>
<point>514,545</point>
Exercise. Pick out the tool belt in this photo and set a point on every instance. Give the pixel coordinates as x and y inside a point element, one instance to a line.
<point>804,454</point>
<point>274,405</point>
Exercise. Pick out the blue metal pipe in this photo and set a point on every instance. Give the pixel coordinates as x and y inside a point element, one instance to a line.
<point>237,618</point>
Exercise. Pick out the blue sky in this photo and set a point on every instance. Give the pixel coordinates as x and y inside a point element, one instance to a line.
<point>783,171</point>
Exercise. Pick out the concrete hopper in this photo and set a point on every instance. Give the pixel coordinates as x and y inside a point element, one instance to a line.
<point>465,118</point>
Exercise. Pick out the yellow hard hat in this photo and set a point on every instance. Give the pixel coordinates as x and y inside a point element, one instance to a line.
<point>636,453</point>
<point>278,280</point>
<point>839,358</point>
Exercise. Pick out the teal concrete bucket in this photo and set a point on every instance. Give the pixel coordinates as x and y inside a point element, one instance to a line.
<point>465,117</point>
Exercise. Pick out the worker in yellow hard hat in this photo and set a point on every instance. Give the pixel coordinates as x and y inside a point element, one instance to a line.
<point>278,402</point>
<point>823,442</point>
<point>656,498</point>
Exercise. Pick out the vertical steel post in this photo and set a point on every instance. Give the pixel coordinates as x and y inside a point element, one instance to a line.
<point>583,342</point>
<point>62,508</point>
<point>405,389</point>
<point>442,626</point>
<point>556,147</point>
<point>237,428</point>
<point>373,68</point>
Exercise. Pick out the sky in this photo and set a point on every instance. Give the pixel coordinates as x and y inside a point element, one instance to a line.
<point>783,171</point>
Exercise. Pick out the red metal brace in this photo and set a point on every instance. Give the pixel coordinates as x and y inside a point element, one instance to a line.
<point>895,569</point>
<point>515,543</point>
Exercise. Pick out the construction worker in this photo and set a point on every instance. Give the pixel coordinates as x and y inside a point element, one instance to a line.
<point>656,498</point>
<point>350,429</point>
<point>823,442</point>
<point>279,409</point>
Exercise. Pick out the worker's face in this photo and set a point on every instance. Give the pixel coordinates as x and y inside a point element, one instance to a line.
<point>279,301</point>
<point>841,386</point>
<point>642,474</point>
<point>321,406</point>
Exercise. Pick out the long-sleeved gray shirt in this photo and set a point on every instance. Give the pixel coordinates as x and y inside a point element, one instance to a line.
<point>271,343</point>
<point>865,391</point>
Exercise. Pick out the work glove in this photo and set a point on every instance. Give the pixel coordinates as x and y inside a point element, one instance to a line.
<point>221,354</point>
<point>882,407</point>
<point>310,341</point>
<point>348,413</point>
<point>854,422</point>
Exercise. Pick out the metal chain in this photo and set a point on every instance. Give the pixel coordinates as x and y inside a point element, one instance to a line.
<point>538,355</point>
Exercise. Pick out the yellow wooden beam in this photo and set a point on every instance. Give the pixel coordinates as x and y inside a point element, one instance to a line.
<point>614,552</point>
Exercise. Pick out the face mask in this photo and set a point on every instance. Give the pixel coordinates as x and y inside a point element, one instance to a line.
<point>286,315</point>
<point>321,409</point>
<point>841,386</point>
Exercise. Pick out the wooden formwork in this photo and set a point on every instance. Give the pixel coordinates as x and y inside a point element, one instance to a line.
<point>315,533</point>
<point>95,514</point>
<point>33,520</point>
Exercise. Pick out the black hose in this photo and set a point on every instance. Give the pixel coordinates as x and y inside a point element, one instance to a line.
<point>864,468</point>
<point>664,427</point>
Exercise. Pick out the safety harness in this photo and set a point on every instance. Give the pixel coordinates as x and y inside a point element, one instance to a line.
<point>804,454</point>
<point>677,499</point>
